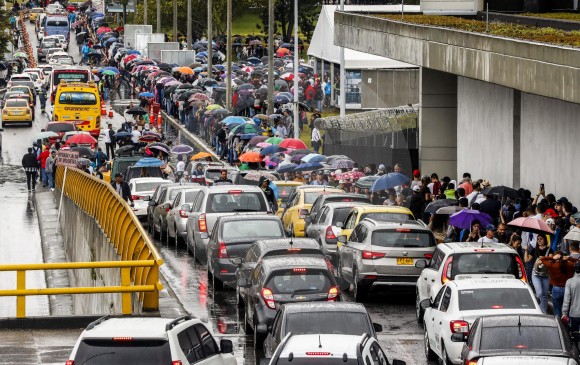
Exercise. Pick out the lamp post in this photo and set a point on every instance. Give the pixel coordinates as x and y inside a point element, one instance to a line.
<point>229,58</point>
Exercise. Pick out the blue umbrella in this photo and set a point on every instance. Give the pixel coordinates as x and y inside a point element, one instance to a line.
<point>133,52</point>
<point>149,162</point>
<point>110,68</point>
<point>146,95</point>
<point>313,157</point>
<point>271,149</point>
<point>286,167</point>
<point>248,136</point>
<point>389,181</point>
<point>464,218</point>
<point>123,134</point>
<point>309,166</point>
<point>235,119</point>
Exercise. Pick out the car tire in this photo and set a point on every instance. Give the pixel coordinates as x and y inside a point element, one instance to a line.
<point>429,354</point>
<point>247,328</point>
<point>30,124</point>
<point>419,312</point>
<point>444,360</point>
<point>360,289</point>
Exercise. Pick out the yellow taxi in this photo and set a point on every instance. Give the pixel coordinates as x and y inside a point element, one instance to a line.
<point>284,190</point>
<point>16,111</point>
<point>376,212</point>
<point>33,14</point>
<point>25,90</point>
<point>298,206</point>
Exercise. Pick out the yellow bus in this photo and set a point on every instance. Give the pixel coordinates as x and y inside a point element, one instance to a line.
<point>79,102</point>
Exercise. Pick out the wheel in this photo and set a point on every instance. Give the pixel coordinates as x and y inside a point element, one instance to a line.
<point>429,354</point>
<point>361,290</point>
<point>419,312</point>
<point>444,360</point>
<point>30,124</point>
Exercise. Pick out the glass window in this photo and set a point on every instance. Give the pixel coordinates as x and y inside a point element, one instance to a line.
<point>110,352</point>
<point>436,260</point>
<point>208,344</point>
<point>304,282</point>
<point>60,127</point>
<point>322,215</point>
<point>187,347</point>
<point>77,98</point>
<point>438,297</point>
<point>354,235</point>
<point>350,220</point>
<point>197,351</point>
<point>310,197</point>
<point>384,216</point>
<point>339,215</point>
<point>190,197</point>
<point>283,192</point>
<point>484,263</point>
<point>235,202</point>
<point>176,200</point>
<point>15,103</point>
<point>523,338</point>
<point>148,186</point>
<point>399,238</point>
<point>445,300</point>
<point>495,298</point>
<point>353,86</point>
<point>344,323</point>
<point>251,229</point>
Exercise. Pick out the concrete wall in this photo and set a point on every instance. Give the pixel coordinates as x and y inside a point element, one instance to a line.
<point>389,88</point>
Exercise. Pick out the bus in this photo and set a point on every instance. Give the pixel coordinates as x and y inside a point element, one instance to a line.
<point>79,103</point>
<point>68,74</point>
<point>56,24</point>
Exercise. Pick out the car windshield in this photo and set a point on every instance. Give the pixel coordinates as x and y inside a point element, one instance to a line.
<point>77,98</point>
<point>339,323</point>
<point>283,192</point>
<point>147,186</point>
<point>484,263</point>
<point>111,352</point>
<point>523,338</point>
<point>340,215</point>
<point>235,201</point>
<point>385,216</point>
<point>15,103</point>
<point>251,229</point>
<point>402,237</point>
<point>495,298</point>
<point>60,127</point>
<point>299,280</point>
<point>310,197</point>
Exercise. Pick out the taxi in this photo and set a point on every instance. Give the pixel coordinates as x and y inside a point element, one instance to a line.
<point>376,212</point>
<point>25,90</point>
<point>33,14</point>
<point>298,206</point>
<point>80,103</point>
<point>16,111</point>
<point>284,189</point>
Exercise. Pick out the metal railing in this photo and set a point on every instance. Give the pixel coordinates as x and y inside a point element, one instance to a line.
<point>118,222</point>
<point>21,292</point>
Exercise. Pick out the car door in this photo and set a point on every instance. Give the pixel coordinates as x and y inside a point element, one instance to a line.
<point>318,220</point>
<point>253,292</point>
<point>346,254</point>
<point>435,320</point>
<point>273,336</point>
<point>176,204</point>
<point>430,274</point>
<point>287,216</point>
<point>158,208</point>
<point>212,245</point>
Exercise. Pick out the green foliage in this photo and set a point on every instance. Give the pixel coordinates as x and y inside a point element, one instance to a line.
<point>308,11</point>
<point>4,35</point>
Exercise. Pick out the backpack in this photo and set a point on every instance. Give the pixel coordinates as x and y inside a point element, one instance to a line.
<point>319,94</point>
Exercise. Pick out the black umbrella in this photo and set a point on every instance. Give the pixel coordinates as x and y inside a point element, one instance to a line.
<point>185,86</point>
<point>137,110</point>
<point>220,111</point>
<point>300,152</point>
<point>165,67</point>
<point>281,99</point>
<point>501,191</point>
<point>434,206</point>
<point>246,87</point>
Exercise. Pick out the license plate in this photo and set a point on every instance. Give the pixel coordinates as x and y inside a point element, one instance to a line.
<point>17,113</point>
<point>404,261</point>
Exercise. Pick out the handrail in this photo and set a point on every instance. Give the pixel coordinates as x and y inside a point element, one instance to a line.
<point>21,292</point>
<point>117,220</point>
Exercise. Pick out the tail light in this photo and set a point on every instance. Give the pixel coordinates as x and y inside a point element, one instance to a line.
<point>222,326</point>
<point>268,297</point>
<point>446,276</point>
<point>176,362</point>
<point>370,255</point>
<point>330,233</point>
<point>183,213</point>
<point>428,256</point>
<point>222,251</point>
<point>302,213</point>
<point>459,327</point>
<point>135,197</point>
<point>332,294</point>
<point>201,223</point>
<point>168,209</point>
<point>69,362</point>
<point>471,362</point>
<point>521,270</point>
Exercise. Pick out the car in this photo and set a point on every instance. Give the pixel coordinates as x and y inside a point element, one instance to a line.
<point>62,61</point>
<point>53,8</point>
<point>284,189</point>
<point>219,201</point>
<point>150,340</point>
<point>279,280</point>
<point>298,206</point>
<point>26,89</point>
<point>40,37</point>
<point>212,173</point>
<point>62,40</point>
<point>17,95</point>
<point>59,128</point>
<point>180,209</point>
<point>231,237</point>
<point>38,72</point>
<point>68,135</point>
<point>383,254</point>
<point>53,50</point>
<point>134,172</point>
<point>159,216</point>
<point>529,337</point>
<point>330,349</point>
<point>18,77</point>
<point>33,14</point>
<point>464,258</point>
<point>141,187</point>
<point>119,165</point>
<point>192,166</point>
<point>44,46</point>
<point>312,318</point>
<point>46,69</point>
<point>460,302</point>
<point>329,198</point>
<point>38,82</point>
<point>323,226</point>
<point>16,111</point>
<point>376,212</point>
<point>153,201</point>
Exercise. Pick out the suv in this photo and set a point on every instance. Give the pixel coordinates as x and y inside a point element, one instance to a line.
<point>43,48</point>
<point>313,318</point>
<point>334,198</point>
<point>219,201</point>
<point>166,198</point>
<point>331,350</point>
<point>383,253</point>
<point>464,258</point>
<point>149,340</point>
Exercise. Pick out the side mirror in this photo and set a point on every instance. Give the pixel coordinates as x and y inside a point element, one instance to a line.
<point>307,219</point>
<point>262,329</point>
<point>378,327</point>
<point>399,362</point>
<point>243,283</point>
<point>425,303</point>
<point>458,337</point>
<point>236,261</point>
<point>340,225</point>
<point>146,198</point>
<point>203,235</point>
<point>226,346</point>
<point>342,239</point>
<point>421,264</point>
<point>186,207</point>
<point>167,206</point>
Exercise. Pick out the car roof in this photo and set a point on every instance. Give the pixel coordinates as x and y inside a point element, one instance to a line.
<point>288,183</point>
<point>284,243</point>
<point>287,262</point>
<point>330,189</point>
<point>487,282</point>
<point>342,195</point>
<point>246,217</point>
<point>381,208</point>
<point>458,247</point>
<point>337,345</point>
<point>527,320</point>
<point>380,224</point>
<point>147,179</point>
<point>226,188</point>
<point>334,205</point>
<point>324,307</point>
<point>137,327</point>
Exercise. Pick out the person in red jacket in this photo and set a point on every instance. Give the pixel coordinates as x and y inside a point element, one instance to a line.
<point>309,94</point>
<point>42,158</point>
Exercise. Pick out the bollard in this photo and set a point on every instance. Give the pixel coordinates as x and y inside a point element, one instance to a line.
<point>159,121</point>
<point>151,119</point>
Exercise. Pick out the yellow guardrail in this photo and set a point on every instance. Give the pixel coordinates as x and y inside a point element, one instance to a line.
<point>117,220</point>
<point>21,292</point>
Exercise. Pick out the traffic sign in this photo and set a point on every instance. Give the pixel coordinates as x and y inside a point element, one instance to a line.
<point>67,158</point>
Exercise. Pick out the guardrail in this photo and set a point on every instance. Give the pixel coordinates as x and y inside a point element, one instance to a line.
<point>114,216</point>
<point>21,292</point>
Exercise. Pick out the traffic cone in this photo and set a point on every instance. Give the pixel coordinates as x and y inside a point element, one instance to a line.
<point>159,121</point>
<point>111,112</point>
<point>103,109</point>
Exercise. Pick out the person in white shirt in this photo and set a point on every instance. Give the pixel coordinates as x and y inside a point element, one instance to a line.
<point>489,235</point>
<point>179,167</point>
<point>315,138</point>
<point>476,195</point>
<point>135,136</point>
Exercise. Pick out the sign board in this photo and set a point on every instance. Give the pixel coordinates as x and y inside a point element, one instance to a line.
<point>116,7</point>
<point>183,58</point>
<point>67,158</point>
<point>154,49</point>
<point>454,7</point>
<point>132,29</point>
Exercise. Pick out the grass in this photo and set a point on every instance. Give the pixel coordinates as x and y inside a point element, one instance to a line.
<point>546,35</point>
<point>245,24</point>
<point>563,16</point>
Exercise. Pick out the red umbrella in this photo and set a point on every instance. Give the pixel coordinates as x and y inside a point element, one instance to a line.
<point>293,143</point>
<point>250,157</point>
<point>351,175</point>
<point>531,225</point>
<point>81,138</point>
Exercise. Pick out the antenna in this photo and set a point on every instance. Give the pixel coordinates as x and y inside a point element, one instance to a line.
<point>319,342</point>
<point>519,326</point>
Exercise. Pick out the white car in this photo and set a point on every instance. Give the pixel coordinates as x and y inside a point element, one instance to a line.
<point>40,34</point>
<point>46,70</point>
<point>177,217</point>
<point>54,8</point>
<point>524,360</point>
<point>62,41</point>
<point>144,186</point>
<point>19,77</point>
<point>460,258</point>
<point>150,340</point>
<point>461,301</point>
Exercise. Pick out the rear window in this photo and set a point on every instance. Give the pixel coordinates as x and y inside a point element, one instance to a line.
<point>310,198</point>
<point>283,192</point>
<point>132,173</point>
<point>495,298</point>
<point>77,98</point>
<point>15,103</point>
<point>213,174</point>
<point>346,199</point>
<point>110,352</point>
<point>20,78</point>
<point>57,23</point>
<point>340,215</point>
<point>147,186</point>
<point>60,127</point>
<point>299,281</point>
<point>484,263</point>
<point>251,229</point>
<point>520,338</point>
<point>190,196</point>
<point>235,201</point>
<point>316,360</point>
<point>384,216</point>
<point>402,238</point>
<point>338,323</point>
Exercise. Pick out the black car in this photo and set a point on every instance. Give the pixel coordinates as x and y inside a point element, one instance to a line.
<point>338,318</point>
<point>334,198</point>
<point>534,338</point>
<point>279,280</point>
<point>232,237</point>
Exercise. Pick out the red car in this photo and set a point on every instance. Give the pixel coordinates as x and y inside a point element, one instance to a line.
<point>59,128</point>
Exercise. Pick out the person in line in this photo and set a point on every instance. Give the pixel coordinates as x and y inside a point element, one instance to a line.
<point>489,235</point>
<point>560,269</point>
<point>315,138</point>
<point>179,167</point>
<point>540,278</point>
<point>42,161</point>
<point>122,188</point>
<point>135,137</point>
<point>110,141</point>
<point>49,167</point>
<point>30,165</point>
<point>571,305</point>
<point>223,178</point>
<point>269,193</point>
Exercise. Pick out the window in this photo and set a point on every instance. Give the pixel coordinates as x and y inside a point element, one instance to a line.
<point>135,351</point>
<point>15,103</point>
<point>198,202</point>
<point>208,344</point>
<point>162,196</point>
<point>229,202</point>
<point>327,322</point>
<point>176,200</point>
<point>311,281</point>
<point>472,330</point>
<point>196,347</point>
<point>187,347</point>
<point>445,300</point>
<point>147,186</point>
<point>521,339</point>
<point>350,220</point>
<point>438,297</point>
<point>322,215</point>
<point>310,197</point>
<point>495,298</point>
<point>484,263</point>
<point>251,229</point>
<point>364,232</point>
<point>403,238</point>
<point>438,256</point>
<point>377,355</point>
<point>388,217</point>
<point>77,98</point>
<point>354,237</point>
<point>339,215</point>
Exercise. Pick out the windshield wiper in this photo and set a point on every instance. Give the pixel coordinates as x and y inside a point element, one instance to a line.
<point>97,355</point>
<point>299,291</point>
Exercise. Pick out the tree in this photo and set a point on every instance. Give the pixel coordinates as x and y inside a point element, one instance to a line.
<point>5,38</point>
<point>308,11</point>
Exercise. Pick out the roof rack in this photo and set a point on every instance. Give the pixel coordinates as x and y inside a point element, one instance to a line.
<point>177,321</point>
<point>98,322</point>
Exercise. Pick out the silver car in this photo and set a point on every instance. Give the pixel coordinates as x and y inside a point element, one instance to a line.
<point>140,187</point>
<point>177,216</point>
<point>380,253</point>
<point>164,205</point>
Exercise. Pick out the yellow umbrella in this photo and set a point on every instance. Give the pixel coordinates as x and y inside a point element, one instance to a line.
<point>213,106</point>
<point>200,155</point>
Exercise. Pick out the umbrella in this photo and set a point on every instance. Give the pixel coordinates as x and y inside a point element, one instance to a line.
<point>149,162</point>
<point>274,140</point>
<point>281,99</point>
<point>247,128</point>
<point>111,68</point>
<point>43,135</point>
<point>464,218</point>
<point>309,166</point>
<point>200,155</point>
<point>263,145</point>
<point>149,138</point>
<point>20,54</point>
<point>123,134</point>
<point>351,175</point>
<point>448,210</point>
<point>108,73</point>
<point>434,206</point>
<point>366,182</point>
<point>573,235</point>
<point>83,151</point>
<point>344,164</point>
<point>182,148</point>
<point>185,70</point>
<point>81,138</point>
<point>83,162</point>
<point>257,174</point>
<point>159,147</point>
<point>146,95</point>
<point>198,96</point>
<point>220,111</point>
<point>257,139</point>
<point>302,151</point>
<point>292,143</point>
<point>247,136</point>
<point>501,191</point>
<point>297,158</point>
<point>286,167</point>
<point>388,181</point>
<point>313,157</point>
<point>250,157</point>
<point>235,119</point>
<point>137,110</point>
<point>214,106</point>
<point>532,225</point>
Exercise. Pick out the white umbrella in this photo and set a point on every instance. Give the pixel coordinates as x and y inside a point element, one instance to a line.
<point>573,235</point>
